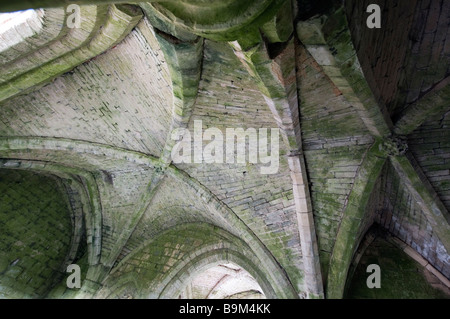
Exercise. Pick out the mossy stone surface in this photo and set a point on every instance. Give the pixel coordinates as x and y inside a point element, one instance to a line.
<point>401,276</point>
<point>35,233</point>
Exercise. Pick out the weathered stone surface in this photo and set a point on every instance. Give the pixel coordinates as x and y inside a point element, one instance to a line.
<point>405,59</point>
<point>99,138</point>
<point>413,275</point>
<point>120,118</point>
<point>30,259</point>
<point>431,149</point>
<point>105,27</point>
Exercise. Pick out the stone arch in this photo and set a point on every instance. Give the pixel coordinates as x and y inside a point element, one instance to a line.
<point>218,246</point>
<point>80,186</point>
<point>403,273</point>
<point>212,258</point>
<point>243,231</point>
<point>32,261</point>
<point>122,288</point>
<point>83,158</point>
<point>57,149</point>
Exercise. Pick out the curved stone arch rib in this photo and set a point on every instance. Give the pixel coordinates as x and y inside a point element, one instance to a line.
<point>353,216</point>
<point>72,196</point>
<point>244,17</point>
<point>238,17</point>
<point>214,256</point>
<point>434,102</point>
<point>91,18</point>
<point>109,259</point>
<point>29,148</point>
<point>185,61</point>
<point>425,196</point>
<point>10,144</point>
<point>322,34</point>
<point>125,282</point>
<point>12,147</point>
<point>84,184</point>
<point>215,205</point>
<point>35,4</point>
<point>279,286</point>
<point>43,26</point>
<point>219,284</point>
<point>276,79</point>
<point>119,23</point>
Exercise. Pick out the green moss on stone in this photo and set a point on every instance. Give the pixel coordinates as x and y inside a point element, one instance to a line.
<point>401,276</point>
<point>35,236</point>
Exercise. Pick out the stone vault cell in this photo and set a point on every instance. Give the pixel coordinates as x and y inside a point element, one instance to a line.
<point>404,274</point>
<point>178,263</point>
<point>35,234</point>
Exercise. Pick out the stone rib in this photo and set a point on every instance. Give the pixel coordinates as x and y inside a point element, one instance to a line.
<point>92,18</point>
<point>118,24</point>
<point>331,46</point>
<point>43,27</point>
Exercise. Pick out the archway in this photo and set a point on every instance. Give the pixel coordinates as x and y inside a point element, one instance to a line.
<point>224,281</point>
<point>36,238</point>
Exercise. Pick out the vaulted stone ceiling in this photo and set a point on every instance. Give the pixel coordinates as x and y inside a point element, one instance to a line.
<point>364,139</point>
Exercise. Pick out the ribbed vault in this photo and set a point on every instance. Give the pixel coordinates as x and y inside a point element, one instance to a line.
<point>363,116</point>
